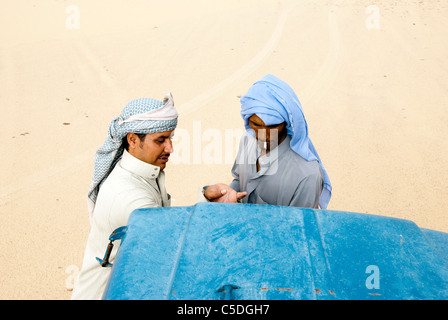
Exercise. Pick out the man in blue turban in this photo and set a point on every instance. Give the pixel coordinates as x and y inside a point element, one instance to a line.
<point>128,175</point>
<point>277,163</point>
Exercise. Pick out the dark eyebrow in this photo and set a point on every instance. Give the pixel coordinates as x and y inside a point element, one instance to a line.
<point>161,137</point>
<point>257,124</point>
<point>261,125</point>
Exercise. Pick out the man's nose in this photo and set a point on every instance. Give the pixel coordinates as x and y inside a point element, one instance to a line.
<point>261,134</point>
<point>169,146</point>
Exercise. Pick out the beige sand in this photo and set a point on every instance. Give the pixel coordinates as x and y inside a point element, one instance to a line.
<point>375,101</point>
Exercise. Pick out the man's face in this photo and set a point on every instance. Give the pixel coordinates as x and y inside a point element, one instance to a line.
<point>268,137</point>
<point>154,149</point>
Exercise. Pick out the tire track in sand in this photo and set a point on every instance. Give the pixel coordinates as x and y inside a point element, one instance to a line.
<point>200,100</point>
<point>324,77</point>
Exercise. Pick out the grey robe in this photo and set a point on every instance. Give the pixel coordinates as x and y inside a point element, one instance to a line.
<point>284,178</point>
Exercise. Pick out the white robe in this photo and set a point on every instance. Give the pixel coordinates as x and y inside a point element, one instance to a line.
<point>132,184</point>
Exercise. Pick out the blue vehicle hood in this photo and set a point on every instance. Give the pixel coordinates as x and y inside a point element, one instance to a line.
<point>246,251</point>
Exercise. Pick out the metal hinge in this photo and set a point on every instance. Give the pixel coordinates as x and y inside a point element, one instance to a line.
<point>227,291</point>
<point>117,234</point>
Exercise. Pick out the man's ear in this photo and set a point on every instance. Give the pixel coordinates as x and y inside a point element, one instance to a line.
<point>132,140</point>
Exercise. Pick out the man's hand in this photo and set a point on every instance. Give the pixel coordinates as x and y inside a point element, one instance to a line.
<point>221,192</point>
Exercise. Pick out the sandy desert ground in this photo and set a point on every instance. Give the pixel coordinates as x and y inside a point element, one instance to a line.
<point>372,77</point>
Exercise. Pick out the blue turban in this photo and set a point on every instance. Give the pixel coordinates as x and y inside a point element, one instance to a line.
<point>140,116</point>
<point>275,102</point>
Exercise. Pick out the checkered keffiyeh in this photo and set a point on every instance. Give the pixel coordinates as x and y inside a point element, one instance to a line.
<point>140,116</point>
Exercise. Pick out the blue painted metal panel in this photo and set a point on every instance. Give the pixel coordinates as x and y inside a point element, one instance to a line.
<point>245,251</point>
<point>439,240</point>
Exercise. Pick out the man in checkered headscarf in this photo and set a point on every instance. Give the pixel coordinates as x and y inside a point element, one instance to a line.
<point>140,116</point>
<point>128,175</point>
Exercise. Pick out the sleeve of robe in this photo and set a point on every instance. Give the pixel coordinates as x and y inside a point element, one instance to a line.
<point>235,184</point>
<point>308,192</point>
